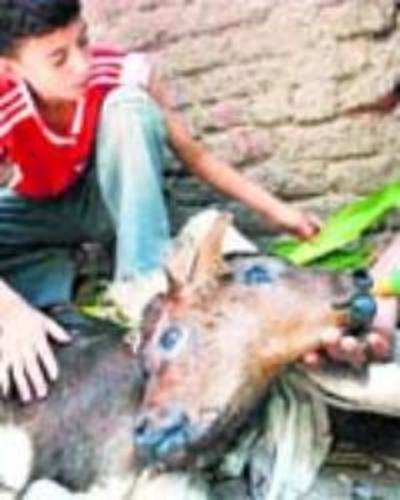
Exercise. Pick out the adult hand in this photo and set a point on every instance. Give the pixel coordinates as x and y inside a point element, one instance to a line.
<point>374,346</point>
<point>26,356</point>
<point>377,344</point>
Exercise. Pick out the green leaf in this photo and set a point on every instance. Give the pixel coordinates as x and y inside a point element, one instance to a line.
<point>343,227</point>
<point>345,259</point>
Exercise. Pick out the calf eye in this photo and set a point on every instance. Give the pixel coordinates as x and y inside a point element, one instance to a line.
<point>170,337</point>
<point>256,275</point>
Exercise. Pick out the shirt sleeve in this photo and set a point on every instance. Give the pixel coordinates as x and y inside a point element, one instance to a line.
<point>136,70</point>
<point>3,154</point>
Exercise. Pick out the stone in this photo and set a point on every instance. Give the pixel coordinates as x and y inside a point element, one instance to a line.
<point>315,101</point>
<point>241,145</point>
<point>361,17</point>
<point>363,175</point>
<point>334,141</point>
<point>295,180</point>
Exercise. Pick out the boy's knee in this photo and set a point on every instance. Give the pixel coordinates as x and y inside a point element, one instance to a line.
<point>124,93</point>
<point>127,105</point>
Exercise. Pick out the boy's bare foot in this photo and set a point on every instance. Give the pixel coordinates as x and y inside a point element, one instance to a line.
<point>131,296</point>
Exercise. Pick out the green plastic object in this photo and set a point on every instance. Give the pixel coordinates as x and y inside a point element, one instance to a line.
<point>395,282</point>
<point>342,228</point>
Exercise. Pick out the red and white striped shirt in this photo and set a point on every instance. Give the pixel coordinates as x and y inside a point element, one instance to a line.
<point>46,163</point>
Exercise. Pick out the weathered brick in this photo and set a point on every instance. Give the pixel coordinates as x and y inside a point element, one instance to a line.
<point>325,205</point>
<point>353,18</point>
<point>272,108</point>
<point>310,64</point>
<point>366,87</point>
<point>223,115</point>
<point>292,180</point>
<point>352,57</point>
<point>363,175</point>
<point>332,141</point>
<point>238,80</point>
<point>170,21</point>
<point>315,100</point>
<point>241,145</point>
<point>232,46</point>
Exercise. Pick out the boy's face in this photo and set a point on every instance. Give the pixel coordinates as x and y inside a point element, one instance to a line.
<point>56,64</point>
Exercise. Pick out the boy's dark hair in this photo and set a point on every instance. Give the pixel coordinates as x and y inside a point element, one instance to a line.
<point>25,18</point>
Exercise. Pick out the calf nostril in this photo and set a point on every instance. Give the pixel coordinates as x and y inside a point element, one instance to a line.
<point>142,426</point>
<point>362,280</point>
<point>363,309</point>
<point>176,421</point>
<point>183,419</point>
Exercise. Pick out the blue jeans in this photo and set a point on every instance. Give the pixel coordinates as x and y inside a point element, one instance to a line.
<point>120,196</point>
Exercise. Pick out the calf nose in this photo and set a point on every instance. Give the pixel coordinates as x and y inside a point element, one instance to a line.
<point>362,280</point>
<point>157,437</point>
<point>362,311</point>
<point>361,305</point>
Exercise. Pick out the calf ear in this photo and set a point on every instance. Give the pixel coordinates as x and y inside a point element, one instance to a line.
<point>208,262</point>
<point>178,267</point>
<point>194,261</point>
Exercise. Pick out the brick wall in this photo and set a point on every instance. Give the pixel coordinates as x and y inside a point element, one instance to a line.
<point>266,84</point>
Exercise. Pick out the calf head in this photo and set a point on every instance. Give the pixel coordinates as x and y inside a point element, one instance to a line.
<point>212,343</point>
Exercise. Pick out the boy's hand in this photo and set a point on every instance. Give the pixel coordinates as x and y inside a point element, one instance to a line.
<point>26,357</point>
<point>301,224</point>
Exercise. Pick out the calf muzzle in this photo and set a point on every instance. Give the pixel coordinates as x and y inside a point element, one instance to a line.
<point>157,438</point>
<point>361,306</point>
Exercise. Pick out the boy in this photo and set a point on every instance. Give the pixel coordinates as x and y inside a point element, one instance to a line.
<point>82,143</point>
<point>82,148</point>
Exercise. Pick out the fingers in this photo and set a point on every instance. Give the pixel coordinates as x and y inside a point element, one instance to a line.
<point>353,351</point>
<point>56,332</point>
<point>28,377</point>
<point>28,374</point>
<point>315,221</point>
<point>21,382</point>
<point>30,366</point>
<point>27,361</point>
<point>339,348</point>
<point>304,230</point>
<point>331,336</point>
<point>34,372</point>
<point>330,340</point>
<point>312,360</point>
<point>346,349</point>
<point>309,226</point>
<point>5,382</point>
<point>48,360</point>
<point>379,345</point>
